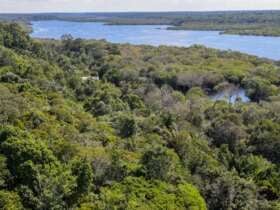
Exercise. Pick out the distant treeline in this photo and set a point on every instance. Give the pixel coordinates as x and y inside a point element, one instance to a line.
<point>263,23</point>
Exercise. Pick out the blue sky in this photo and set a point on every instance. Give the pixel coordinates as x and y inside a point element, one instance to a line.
<point>133,5</point>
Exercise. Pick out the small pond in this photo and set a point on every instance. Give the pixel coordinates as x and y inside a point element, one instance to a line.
<point>231,96</point>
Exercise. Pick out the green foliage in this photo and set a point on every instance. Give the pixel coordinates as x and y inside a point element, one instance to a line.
<point>10,200</point>
<point>191,198</point>
<point>13,36</point>
<point>4,172</point>
<point>137,193</point>
<point>259,89</point>
<point>226,132</point>
<point>159,163</point>
<point>83,171</point>
<point>262,172</point>
<point>126,125</point>
<point>91,125</point>
<point>231,192</point>
<point>37,175</point>
<point>265,140</point>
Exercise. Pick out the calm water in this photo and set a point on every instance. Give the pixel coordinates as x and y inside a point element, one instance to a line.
<point>268,47</point>
<point>233,97</point>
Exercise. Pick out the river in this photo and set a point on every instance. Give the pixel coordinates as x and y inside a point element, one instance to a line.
<point>268,47</point>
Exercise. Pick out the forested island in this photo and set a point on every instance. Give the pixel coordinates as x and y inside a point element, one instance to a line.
<point>88,124</point>
<point>258,23</point>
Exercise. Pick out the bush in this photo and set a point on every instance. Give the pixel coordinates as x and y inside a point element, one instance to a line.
<point>265,140</point>
<point>10,201</point>
<point>259,89</point>
<point>159,163</point>
<point>226,132</point>
<point>137,193</point>
<point>126,125</point>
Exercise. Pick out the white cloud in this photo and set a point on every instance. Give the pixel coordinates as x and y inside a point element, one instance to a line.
<point>133,5</point>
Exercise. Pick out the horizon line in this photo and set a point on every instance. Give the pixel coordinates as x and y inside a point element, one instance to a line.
<point>147,11</point>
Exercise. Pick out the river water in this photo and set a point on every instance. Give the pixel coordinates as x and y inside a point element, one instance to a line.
<point>268,47</point>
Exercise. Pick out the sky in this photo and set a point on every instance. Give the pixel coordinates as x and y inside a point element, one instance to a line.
<point>27,6</point>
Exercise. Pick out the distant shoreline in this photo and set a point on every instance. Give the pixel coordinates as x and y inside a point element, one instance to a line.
<point>237,22</point>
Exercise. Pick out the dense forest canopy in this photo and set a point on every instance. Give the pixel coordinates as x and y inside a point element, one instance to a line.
<point>87,124</point>
<point>261,23</point>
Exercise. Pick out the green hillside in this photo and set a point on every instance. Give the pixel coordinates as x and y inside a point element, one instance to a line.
<point>88,124</point>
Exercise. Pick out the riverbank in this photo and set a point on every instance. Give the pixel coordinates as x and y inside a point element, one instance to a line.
<point>257,23</point>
